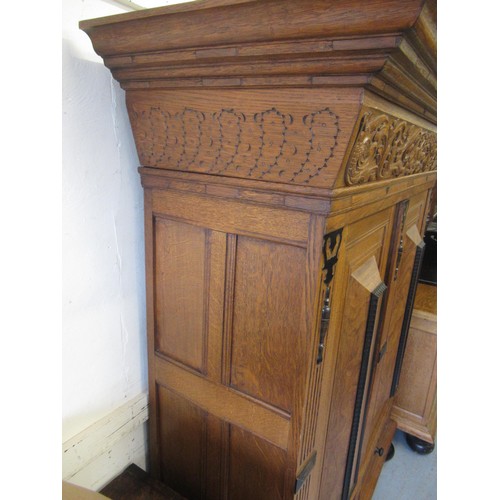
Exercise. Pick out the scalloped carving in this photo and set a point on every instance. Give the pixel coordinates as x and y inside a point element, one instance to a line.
<point>269,144</point>
<point>387,147</point>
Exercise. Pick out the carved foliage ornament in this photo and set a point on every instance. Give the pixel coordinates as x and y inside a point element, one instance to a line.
<point>387,147</point>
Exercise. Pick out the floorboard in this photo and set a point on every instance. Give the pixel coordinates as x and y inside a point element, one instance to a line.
<point>135,484</point>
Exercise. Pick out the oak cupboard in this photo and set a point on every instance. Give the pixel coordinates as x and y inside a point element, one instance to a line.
<point>415,406</point>
<point>288,153</point>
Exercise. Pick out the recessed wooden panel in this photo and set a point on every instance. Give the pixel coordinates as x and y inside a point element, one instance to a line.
<point>420,357</point>
<point>181,291</point>
<point>256,468</point>
<point>183,434</point>
<point>268,334</point>
<point>415,404</point>
<point>416,212</point>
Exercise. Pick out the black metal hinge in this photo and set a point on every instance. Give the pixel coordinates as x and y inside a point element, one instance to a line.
<point>404,208</point>
<point>331,246</point>
<point>304,474</point>
<point>382,352</point>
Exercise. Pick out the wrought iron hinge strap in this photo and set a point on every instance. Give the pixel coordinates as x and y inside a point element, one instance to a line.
<point>304,474</point>
<point>382,352</point>
<point>404,207</point>
<point>331,246</point>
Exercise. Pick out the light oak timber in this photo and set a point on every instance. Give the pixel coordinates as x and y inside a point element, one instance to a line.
<point>309,199</point>
<point>374,101</point>
<point>364,490</point>
<point>233,216</point>
<point>367,239</point>
<point>357,26</point>
<point>74,492</point>
<point>365,205</point>
<point>415,408</point>
<point>298,137</point>
<point>225,403</point>
<point>174,27</point>
<point>286,148</point>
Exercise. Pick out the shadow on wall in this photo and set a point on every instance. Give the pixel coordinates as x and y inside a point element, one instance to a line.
<point>104,326</point>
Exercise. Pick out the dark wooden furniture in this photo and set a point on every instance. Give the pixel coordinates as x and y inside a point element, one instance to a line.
<point>135,484</point>
<point>288,152</point>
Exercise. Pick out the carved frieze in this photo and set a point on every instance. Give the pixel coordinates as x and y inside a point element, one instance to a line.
<point>387,147</point>
<point>270,144</point>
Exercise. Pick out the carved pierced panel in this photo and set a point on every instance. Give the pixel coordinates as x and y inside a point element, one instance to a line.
<point>388,147</point>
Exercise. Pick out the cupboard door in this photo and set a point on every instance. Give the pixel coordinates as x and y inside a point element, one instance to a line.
<point>409,216</point>
<point>362,262</point>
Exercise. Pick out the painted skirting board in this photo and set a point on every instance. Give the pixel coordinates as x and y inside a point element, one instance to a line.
<point>99,453</point>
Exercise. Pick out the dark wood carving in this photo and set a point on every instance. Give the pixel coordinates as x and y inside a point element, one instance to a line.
<point>262,145</point>
<point>387,147</point>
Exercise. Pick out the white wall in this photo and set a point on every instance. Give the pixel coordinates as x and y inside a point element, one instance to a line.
<point>104,333</point>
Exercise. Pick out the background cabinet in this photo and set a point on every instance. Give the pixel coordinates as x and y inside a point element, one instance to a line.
<point>415,408</point>
<point>288,152</point>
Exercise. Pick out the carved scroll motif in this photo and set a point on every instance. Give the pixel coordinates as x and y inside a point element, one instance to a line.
<point>269,145</point>
<point>387,147</point>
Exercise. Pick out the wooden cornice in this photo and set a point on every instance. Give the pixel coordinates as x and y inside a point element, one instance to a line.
<point>387,46</point>
<point>204,24</point>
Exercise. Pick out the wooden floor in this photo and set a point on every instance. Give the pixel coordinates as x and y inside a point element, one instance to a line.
<point>135,484</point>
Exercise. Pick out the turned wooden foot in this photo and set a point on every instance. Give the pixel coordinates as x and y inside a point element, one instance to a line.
<point>419,445</point>
<point>390,453</point>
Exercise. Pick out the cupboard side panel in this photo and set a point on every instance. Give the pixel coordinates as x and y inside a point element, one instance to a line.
<point>183,444</point>
<point>420,357</point>
<point>256,468</point>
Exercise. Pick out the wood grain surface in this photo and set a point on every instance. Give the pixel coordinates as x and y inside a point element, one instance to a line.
<point>415,408</point>
<point>286,148</point>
